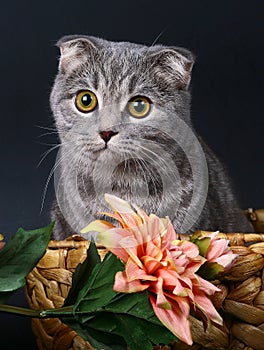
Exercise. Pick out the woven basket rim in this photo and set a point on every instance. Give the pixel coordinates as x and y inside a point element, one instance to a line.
<point>77,241</point>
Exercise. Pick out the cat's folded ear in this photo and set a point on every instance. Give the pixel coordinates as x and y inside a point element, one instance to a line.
<point>74,50</point>
<point>174,64</point>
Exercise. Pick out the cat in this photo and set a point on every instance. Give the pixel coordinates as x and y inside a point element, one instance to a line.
<point>122,112</point>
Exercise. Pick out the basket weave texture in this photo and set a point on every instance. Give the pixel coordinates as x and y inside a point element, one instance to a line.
<point>241,304</point>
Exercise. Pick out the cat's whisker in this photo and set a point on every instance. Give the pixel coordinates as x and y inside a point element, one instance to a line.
<point>46,128</point>
<point>45,154</point>
<point>46,144</point>
<point>66,199</point>
<point>138,143</point>
<point>158,36</point>
<point>156,39</point>
<point>146,172</point>
<point>82,156</point>
<point>152,175</point>
<point>79,159</point>
<point>48,133</point>
<point>124,170</point>
<point>163,162</point>
<point>50,176</point>
<point>65,172</point>
<point>149,154</point>
<point>149,68</point>
<point>146,152</point>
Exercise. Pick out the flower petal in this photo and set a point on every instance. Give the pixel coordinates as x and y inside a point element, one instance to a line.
<point>151,264</point>
<point>111,240</point>
<point>132,253</point>
<point>174,320</point>
<point>182,303</point>
<point>154,226</point>
<point>190,249</point>
<point>122,208</point>
<point>170,277</point>
<point>123,286</point>
<point>216,249</point>
<point>227,260</point>
<point>141,213</point>
<point>97,226</point>
<point>207,307</point>
<point>153,250</point>
<point>205,286</point>
<point>162,301</point>
<point>134,272</point>
<point>179,289</point>
<point>170,234</point>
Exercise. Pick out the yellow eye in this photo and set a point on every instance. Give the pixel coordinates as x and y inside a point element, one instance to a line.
<point>139,106</point>
<point>86,101</point>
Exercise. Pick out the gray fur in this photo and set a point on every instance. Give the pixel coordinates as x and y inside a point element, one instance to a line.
<point>117,71</point>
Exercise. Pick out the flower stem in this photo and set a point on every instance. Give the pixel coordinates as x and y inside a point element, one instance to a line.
<point>50,313</point>
<point>19,311</point>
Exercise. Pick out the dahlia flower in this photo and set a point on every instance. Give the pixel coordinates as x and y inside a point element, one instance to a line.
<point>2,244</point>
<point>157,261</point>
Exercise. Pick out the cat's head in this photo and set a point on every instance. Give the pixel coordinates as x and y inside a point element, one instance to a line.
<point>108,93</point>
<point>122,111</point>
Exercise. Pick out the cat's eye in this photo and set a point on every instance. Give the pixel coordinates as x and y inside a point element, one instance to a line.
<point>86,101</point>
<point>139,106</point>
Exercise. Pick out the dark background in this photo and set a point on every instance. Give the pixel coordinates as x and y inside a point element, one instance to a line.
<point>227,38</point>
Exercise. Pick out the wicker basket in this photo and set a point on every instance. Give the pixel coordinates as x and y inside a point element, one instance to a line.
<point>241,304</point>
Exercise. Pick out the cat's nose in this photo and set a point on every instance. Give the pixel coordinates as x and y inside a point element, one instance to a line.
<point>106,135</point>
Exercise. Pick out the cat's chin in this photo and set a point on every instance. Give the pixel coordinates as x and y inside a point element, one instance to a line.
<point>106,151</point>
<point>100,154</point>
<point>102,151</point>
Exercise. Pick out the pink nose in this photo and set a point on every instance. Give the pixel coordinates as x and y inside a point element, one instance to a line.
<point>106,135</point>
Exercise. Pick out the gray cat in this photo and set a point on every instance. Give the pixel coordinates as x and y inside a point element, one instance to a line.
<point>122,112</point>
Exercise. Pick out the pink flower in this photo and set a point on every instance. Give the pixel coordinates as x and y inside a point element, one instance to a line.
<point>219,252</point>
<point>2,244</point>
<point>156,261</point>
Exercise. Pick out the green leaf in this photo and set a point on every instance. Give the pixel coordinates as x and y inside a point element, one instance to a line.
<point>210,270</point>
<point>136,303</point>
<point>126,319</point>
<point>98,338</point>
<point>137,311</point>
<point>110,320</point>
<point>19,257</point>
<point>98,290</point>
<point>202,243</point>
<point>133,332</point>
<point>82,274</point>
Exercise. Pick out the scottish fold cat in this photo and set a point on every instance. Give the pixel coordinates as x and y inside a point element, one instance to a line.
<point>122,112</point>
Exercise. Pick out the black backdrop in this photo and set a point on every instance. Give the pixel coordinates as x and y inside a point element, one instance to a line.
<point>227,38</point>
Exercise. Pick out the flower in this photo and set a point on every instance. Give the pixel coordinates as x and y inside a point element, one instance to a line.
<point>219,251</point>
<point>155,260</point>
<point>2,244</point>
